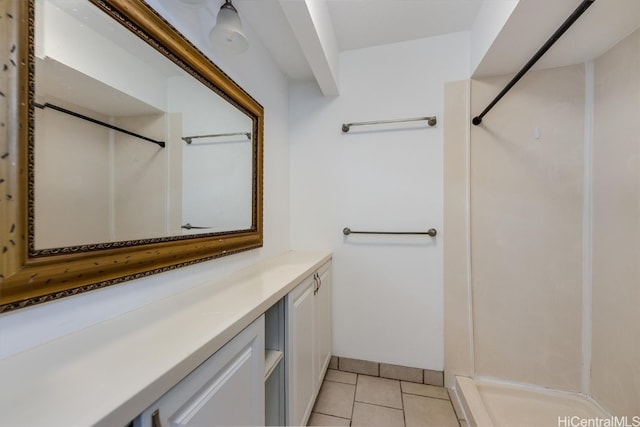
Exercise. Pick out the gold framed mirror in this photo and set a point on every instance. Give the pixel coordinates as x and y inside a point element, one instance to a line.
<point>63,230</point>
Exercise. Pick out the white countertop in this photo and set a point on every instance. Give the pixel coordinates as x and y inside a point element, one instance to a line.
<point>109,373</point>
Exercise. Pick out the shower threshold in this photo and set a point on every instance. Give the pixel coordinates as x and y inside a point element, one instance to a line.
<point>488,403</point>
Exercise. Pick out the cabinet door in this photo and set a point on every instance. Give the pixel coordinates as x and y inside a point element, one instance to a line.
<point>323,323</point>
<point>300,349</point>
<point>226,390</point>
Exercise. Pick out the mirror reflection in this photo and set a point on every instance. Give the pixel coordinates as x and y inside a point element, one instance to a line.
<point>128,145</point>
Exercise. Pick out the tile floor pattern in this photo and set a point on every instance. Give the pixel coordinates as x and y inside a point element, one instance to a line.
<point>348,399</point>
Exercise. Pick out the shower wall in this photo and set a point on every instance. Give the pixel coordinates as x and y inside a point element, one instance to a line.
<point>615,369</point>
<point>526,228</point>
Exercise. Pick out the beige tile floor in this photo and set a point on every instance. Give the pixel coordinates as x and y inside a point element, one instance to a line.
<point>348,399</point>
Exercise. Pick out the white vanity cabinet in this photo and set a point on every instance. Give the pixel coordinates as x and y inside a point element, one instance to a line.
<point>226,390</point>
<point>269,374</point>
<point>308,342</point>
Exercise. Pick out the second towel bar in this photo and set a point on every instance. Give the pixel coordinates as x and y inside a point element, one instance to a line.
<point>431,121</point>
<point>430,232</point>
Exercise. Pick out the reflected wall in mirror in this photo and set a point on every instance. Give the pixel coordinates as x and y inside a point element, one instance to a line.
<point>120,152</point>
<point>141,155</point>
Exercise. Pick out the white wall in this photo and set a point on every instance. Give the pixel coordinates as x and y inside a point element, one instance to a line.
<point>387,292</point>
<point>217,172</point>
<point>257,74</point>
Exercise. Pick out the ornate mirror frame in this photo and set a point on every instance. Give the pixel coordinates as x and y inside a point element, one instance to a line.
<point>29,276</point>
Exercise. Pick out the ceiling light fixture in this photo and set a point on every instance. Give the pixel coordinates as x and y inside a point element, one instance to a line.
<point>227,36</point>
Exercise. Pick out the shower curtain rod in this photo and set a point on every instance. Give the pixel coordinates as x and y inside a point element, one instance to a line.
<point>431,120</point>
<point>188,139</point>
<point>98,122</point>
<point>554,37</point>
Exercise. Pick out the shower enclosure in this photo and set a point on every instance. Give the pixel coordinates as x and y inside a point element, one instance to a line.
<point>542,244</point>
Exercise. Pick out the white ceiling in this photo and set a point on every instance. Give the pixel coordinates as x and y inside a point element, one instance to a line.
<point>357,24</point>
<point>365,23</point>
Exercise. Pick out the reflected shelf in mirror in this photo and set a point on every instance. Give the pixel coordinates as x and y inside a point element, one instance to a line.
<point>189,139</point>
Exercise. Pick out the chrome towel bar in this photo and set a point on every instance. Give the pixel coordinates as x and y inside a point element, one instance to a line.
<point>188,139</point>
<point>430,232</point>
<point>431,120</point>
<point>188,226</point>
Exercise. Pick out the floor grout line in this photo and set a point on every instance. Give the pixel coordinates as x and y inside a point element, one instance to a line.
<point>428,397</point>
<point>382,406</point>
<point>339,382</point>
<point>330,415</point>
<point>404,414</point>
<point>353,404</point>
